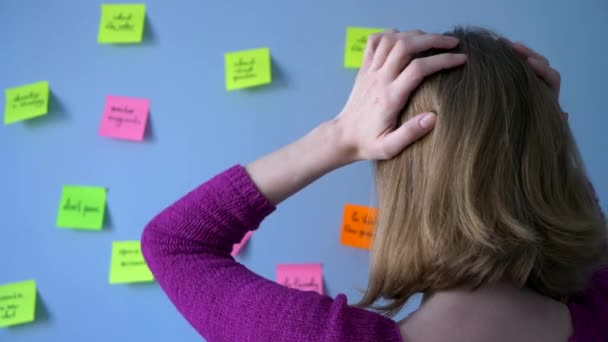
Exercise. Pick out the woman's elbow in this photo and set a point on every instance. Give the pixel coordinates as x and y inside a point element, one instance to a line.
<point>149,239</point>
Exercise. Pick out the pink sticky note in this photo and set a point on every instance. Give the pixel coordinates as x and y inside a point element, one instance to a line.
<point>305,277</point>
<point>124,118</point>
<point>237,246</point>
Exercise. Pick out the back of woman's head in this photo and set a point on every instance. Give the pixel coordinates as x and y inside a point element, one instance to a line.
<point>497,191</point>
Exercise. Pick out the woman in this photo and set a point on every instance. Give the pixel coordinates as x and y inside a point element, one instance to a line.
<point>490,215</point>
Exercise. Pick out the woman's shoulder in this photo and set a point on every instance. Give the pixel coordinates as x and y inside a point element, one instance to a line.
<point>589,309</point>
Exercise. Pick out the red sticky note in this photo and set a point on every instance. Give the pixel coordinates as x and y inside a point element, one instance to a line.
<point>305,277</point>
<point>358,226</point>
<point>237,246</point>
<point>124,118</point>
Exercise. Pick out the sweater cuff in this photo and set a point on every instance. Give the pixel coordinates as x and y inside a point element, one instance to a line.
<point>257,205</point>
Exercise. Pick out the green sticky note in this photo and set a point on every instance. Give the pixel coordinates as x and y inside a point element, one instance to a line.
<point>247,68</point>
<point>26,102</point>
<point>356,39</point>
<point>17,303</point>
<point>121,23</point>
<point>128,264</point>
<point>82,207</point>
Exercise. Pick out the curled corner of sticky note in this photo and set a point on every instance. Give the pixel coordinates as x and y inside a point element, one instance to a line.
<point>355,42</point>
<point>237,247</point>
<point>82,207</point>
<point>358,224</point>
<point>122,23</point>
<point>125,118</point>
<point>18,303</point>
<point>26,102</point>
<point>127,264</point>
<point>305,277</point>
<point>248,68</point>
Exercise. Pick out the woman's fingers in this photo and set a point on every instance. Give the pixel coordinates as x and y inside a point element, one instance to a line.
<point>541,66</point>
<point>548,74</point>
<point>407,46</point>
<point>410,131</point>
<point>384,82</point>
<point>419,68</point>
<point>385,44</point>
<point>395,45</point>
<point>527,52</point>
<point>384,47</point>
<point>370,48</point>
<point>372,45</point>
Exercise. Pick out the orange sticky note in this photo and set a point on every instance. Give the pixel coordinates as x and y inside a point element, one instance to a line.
<point>358,226</point>
<point>305,277</point>
<point>237,246</point>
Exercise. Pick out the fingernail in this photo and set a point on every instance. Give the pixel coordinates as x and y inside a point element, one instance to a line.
<point>462,57</point>
<point>427,120</point>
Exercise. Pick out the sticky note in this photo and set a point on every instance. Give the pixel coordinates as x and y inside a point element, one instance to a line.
<point>305,277</point>
<point>358,226</point>
<point>26,102</point>
<point>121,23</point>
<point>82,207</point>
<point>124,118</point>
<point>247,68</point>
<point>128,264</point>
<point>356,39</point>
<point>17,303</point>
<point>237,246</point>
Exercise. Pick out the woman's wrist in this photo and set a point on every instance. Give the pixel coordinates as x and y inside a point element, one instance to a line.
<point>334,147</point>
<point>291,168</point>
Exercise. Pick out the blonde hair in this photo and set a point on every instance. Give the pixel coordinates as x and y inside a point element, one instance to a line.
<point>497,191</point>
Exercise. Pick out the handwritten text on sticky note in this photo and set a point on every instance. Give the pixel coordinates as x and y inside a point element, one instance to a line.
<point>356,39</point>
<point>128,264</point>
<point>26,102</point>
<point>121,23</point>
<point>82,207</point>
<point>247,68</point>
<point>305,277</point>
<point>358,226</point>
<point>17,303</point>
<point>238,246</point>
<point>124,118</point>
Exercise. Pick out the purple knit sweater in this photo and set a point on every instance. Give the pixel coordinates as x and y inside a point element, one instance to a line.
<point>188,245</point>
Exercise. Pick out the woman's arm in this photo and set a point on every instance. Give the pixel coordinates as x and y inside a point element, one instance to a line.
<point>365,129</point>
<point>284,172</point>
<point>187,246</point>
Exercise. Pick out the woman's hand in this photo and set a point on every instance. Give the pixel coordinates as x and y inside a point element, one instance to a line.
<point>540,65</point>
<point>387,77</point>
<point>366,127</point>
<point>542,68</point>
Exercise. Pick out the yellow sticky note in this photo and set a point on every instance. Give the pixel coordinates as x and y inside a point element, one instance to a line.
<point>358,226</point>
<point>82,207</point>
<point>128,264</point>
<point>247,68</point>
<point>26,102</point>
<point>17,303</point>
<point>121,23</point>
<point>356,39</point>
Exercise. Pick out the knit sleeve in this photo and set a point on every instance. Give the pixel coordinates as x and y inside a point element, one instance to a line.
<point>187,247</point>
<point>589,310</point>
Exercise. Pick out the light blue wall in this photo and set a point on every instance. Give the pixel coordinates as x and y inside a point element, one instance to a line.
<point>197,129</point>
